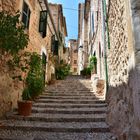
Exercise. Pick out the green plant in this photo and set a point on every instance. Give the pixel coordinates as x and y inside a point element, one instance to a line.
<point>26,94</point>
<point>62,70</point>
<point>93,63</point>
<point>12,35</point>
<point>35,79</point>
<point>86,71</point>
<point>12,39</point>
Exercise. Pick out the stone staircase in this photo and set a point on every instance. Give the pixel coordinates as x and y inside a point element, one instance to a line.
<point>68,110</point>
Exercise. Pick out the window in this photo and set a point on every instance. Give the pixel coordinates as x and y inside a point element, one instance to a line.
<point>26,15</point>
<point>75,61</point>
<point>56,43</point>
<point>43,23</point>
<point>53,43</point>
<point>75,69</point>
<point>75,51</point>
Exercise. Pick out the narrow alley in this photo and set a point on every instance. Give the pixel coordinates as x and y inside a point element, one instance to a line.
<point>67,110</point>
<point>69,69</point>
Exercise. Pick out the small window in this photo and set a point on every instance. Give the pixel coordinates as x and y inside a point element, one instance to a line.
<point>75,51</point>
<point>56,45</point>
<point>26,15</point>
<point>75,69</point>
<point>75,61</point>
<point>43,23</point>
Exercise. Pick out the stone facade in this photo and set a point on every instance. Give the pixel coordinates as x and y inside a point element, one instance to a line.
<point>123,69</point>
<point>91,35</point>
<point>81,37</point>
<point>93,40</point>
<point>73,56</point>
<point>10,90</point>
<point>60,25</point>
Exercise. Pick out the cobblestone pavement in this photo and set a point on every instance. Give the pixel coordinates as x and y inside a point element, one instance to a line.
<point>67,110</point>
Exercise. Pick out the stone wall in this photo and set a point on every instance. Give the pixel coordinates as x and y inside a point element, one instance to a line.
<point>11,90</point>
<point>73,55</point>
<point>123,94</point>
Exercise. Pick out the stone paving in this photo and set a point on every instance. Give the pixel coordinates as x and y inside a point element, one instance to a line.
<point>67,110</point>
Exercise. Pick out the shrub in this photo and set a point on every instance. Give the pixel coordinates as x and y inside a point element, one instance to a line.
<point>35,79</point>
<point>93,62</point>
<point>62,70</point>
<point>86,71</point>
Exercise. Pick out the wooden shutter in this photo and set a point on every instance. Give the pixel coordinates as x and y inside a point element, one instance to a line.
<point>56,48</point>
<point>52,43</point>
<point>43,23</point>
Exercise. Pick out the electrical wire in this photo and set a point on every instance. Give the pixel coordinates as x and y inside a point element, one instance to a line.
<point>73,9</point>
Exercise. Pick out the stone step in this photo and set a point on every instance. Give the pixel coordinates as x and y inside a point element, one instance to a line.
<point>39,135</point>
<point>69,111</point>
<point>55,126</point>
<point>68,90</point>
<point>45,96</point>
<point>59,117</point>
<point>71,93</point>
<point>69,101</point>
<point>74,95</point>
<point>59,105</point>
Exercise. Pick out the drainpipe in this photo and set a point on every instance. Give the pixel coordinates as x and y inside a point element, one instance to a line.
<point>107,27</point>
<point>104,39</point>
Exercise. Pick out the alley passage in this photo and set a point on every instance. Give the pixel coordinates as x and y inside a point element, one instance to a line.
<point>68,110</point>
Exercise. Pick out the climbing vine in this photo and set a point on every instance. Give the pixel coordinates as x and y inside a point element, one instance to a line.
<point>12,34</point>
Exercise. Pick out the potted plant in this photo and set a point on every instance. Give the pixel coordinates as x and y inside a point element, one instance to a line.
<point>34,84</point>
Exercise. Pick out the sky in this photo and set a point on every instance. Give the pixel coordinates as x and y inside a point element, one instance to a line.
<point>71,16</point>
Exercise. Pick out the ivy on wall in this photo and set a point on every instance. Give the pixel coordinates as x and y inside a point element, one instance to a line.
<point>12,34</point>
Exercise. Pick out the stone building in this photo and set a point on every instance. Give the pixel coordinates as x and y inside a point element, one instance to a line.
<point>81,37</point>
<point>115,43</point>
<point>91,31</point>
<point>123,68</point>
<point>60,25</point>
<point>41,30</point>
<point>90,39</point>
<point>73,49</point>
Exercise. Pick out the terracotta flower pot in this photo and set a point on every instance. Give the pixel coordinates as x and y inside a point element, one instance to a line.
<point>24,108</point>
